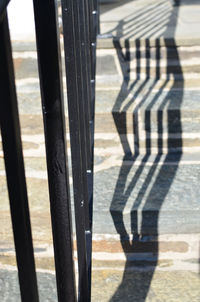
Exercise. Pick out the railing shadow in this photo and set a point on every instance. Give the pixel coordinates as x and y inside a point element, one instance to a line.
<point>158,177</point>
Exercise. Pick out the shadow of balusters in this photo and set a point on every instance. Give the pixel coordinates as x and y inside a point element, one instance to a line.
<point>159,177</point>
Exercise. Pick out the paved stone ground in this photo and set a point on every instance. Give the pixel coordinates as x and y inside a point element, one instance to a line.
<point>112,285</point>
<point>148,249</point>
<point>149,19</point>
<point>148,198</point>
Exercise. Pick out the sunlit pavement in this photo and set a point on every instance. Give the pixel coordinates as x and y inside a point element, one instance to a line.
<point>147,157</point>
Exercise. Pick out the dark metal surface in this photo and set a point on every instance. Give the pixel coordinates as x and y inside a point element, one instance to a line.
<point>10,130</point>
<point>72,48</point>
<point>3,5</point>
<point>93,30</point>
<point>55,137</point>
<point>78,26</point>
<point>80,20</point>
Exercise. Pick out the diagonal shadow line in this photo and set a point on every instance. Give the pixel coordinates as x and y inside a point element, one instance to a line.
<point>145,218</point>
<point>151,15</point>
<point>114,5</point>
<point>141,30</point>
<point>119,195</point>
<point>147,180</point>
<point>142,12</point>
<point>134,180</point>
<point>124,59</point>
<point>127,246</point>
<point>132,33</point>
<point>152,197</point>
<point>175,159</point>
<point>157,76</point>
<point>135,113</point>
<point>133,17</point>
<point>156,28</point>
<point>122,21</point>
<point>139,171</point>
<point>120,117</point>
<point>147,112</point>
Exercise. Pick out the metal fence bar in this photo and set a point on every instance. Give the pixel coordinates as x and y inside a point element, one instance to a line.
<point>92,35</point>
<point>86,76</point>
<point>54,124</point>
<point>90,45</point>
<point>83,93</point>
<point>94,19</point>
<point>89,97</point>
<point>85,68</point>
<point>10,130</point>
<point>80,30</point>
<point>3,5</point>
<point>78,121</point>
<point>77,22</point>
<point>96,6</point>
<point>82,89</point>
<point>93,30</point>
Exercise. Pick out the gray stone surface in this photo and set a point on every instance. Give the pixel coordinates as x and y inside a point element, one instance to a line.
<point>173,116</point>
<point>113,285</point>
<point>147,286</point>
<point>9,286</point>
<point>155,53</point>
<point>106,65</point>
<point>158,194</point>
<point>26,68</point>
<point>144,19</point>
<point>143,97</point>
<point>150,199</point>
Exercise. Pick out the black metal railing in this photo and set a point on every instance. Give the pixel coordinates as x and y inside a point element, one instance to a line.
<point>80,24</point>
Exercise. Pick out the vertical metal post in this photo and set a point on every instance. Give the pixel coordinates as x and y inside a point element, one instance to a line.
<point>91,33</point>
<point>85,63</point>
<point>96,9</point>
<point>3,5</point>
<point>79,94</point>
<point>93,30</point>
<point>83,70</point>
<point>55,137</point>
<point>10,130</point>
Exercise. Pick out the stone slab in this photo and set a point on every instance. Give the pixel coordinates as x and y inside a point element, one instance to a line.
<point>113,285</point>
<point>146,96</point>
<point>159,193</point>
<point>119,286</point>
<point>155,199</point>
<point>141,60</point>
<point>149,19</point>
<point>9,286</point>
